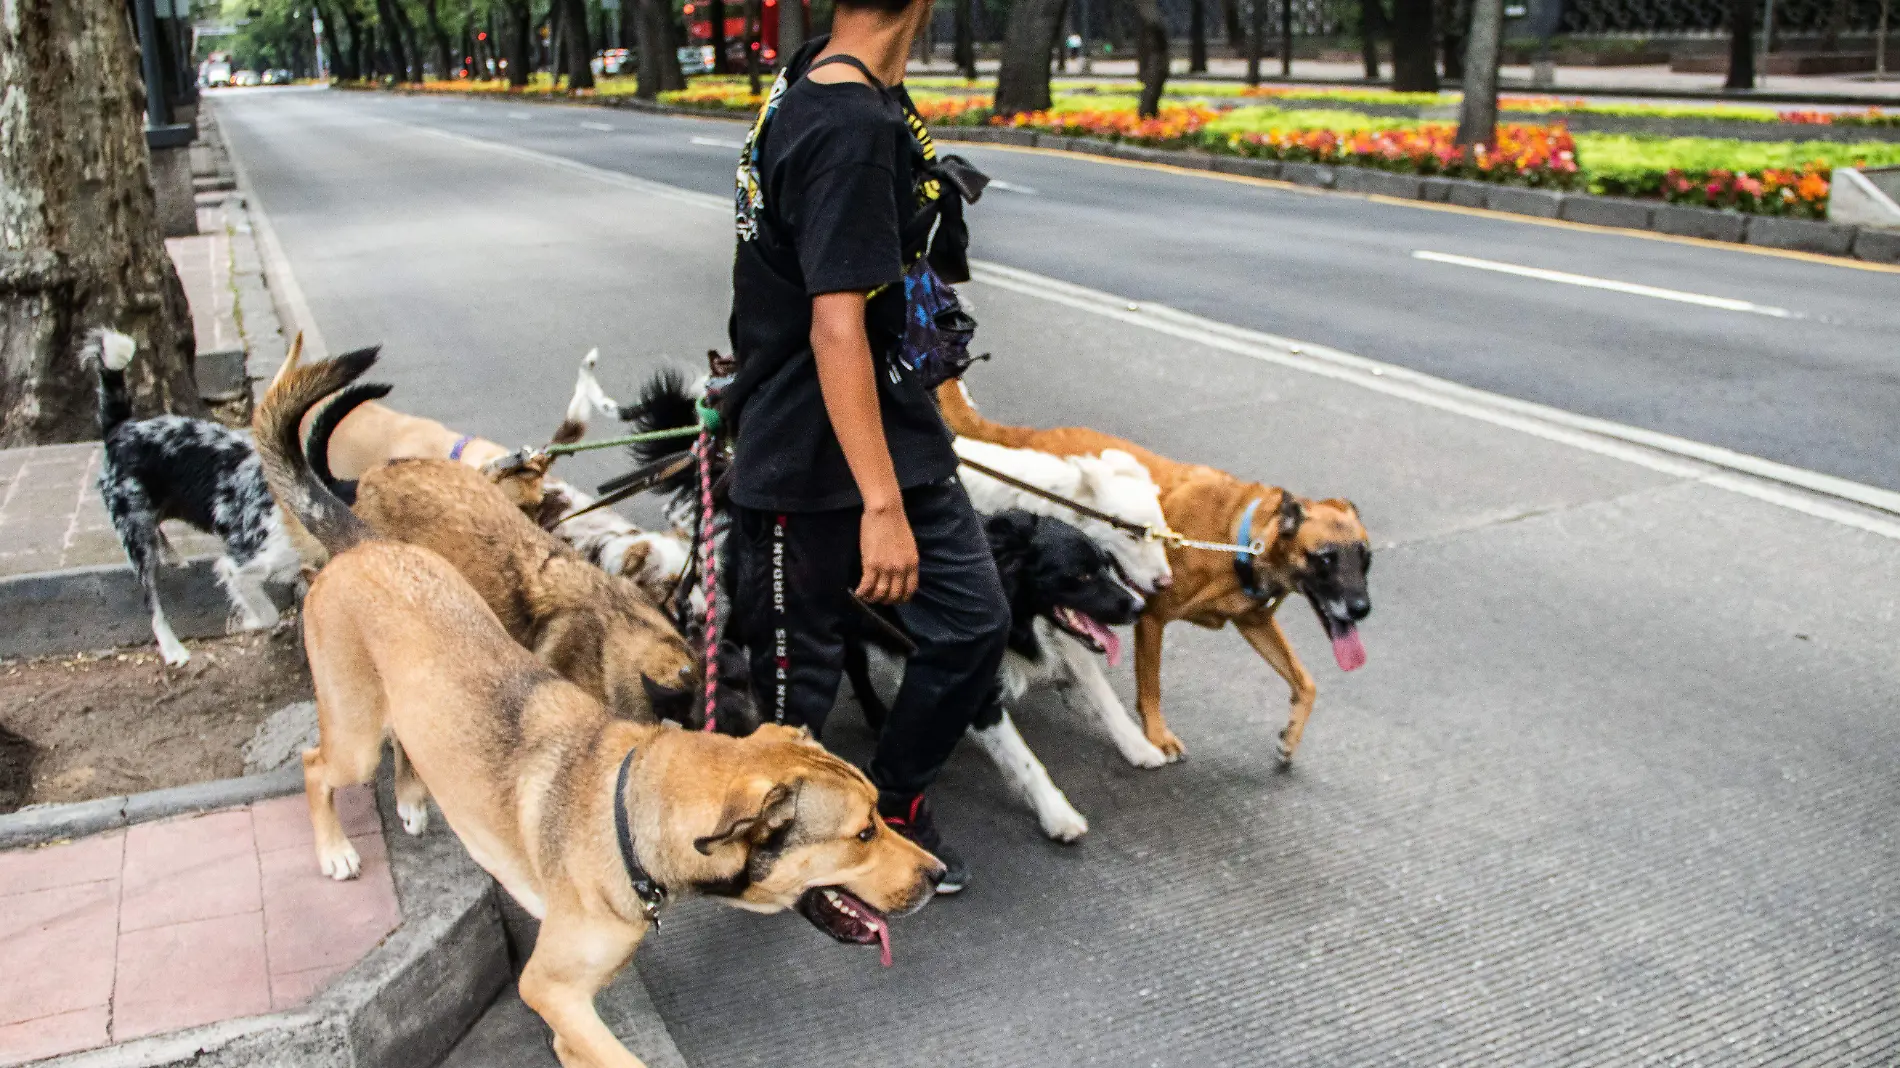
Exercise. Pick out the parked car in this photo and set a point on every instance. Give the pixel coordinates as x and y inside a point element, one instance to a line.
<point>613,61</point>
<point>216,70</point>
<point>276,76</point>
<point>246,77</point>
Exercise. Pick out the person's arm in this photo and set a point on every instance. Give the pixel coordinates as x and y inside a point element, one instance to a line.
<point>847,378</point>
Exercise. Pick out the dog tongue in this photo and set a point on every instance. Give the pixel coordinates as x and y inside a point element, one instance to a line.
<point>884,942</point>
<point>1349,651</point>
<point>1111,645</point>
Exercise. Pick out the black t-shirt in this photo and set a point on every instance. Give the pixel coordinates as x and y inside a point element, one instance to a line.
<point>837,169</point>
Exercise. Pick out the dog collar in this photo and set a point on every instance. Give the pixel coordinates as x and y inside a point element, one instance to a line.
<point>651,894</point>
<point>1243,560</point>
<point>455,450</point>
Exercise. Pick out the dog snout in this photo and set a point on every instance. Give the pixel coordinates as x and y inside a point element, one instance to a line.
<point>1358,608</point>
<point>1165,582</point>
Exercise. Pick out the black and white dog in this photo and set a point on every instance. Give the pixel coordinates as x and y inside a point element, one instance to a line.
<point>172,467</point>
<point>1063,588</point>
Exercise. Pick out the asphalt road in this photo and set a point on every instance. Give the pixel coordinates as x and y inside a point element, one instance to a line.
<point>1616,786</point>
<point>1818,389</point>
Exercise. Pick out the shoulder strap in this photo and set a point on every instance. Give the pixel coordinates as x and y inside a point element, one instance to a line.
<point>846,57</point>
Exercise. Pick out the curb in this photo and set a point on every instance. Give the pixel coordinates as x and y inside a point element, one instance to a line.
<point>1813,236</point>
<point>51,823</point>
<point>402,1006</point>
<point>78,609</point>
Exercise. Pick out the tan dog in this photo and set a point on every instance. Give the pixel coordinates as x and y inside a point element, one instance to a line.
<point>369,434</point>
<point>593,629</point>
<point>1318,548</point>
<point>588,820</point>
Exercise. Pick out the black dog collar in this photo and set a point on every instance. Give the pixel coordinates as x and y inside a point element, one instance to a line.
<point>651,894</point>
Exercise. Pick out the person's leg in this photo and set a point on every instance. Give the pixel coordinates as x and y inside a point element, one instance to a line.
<point>791,608</point>
<point>959,620</point>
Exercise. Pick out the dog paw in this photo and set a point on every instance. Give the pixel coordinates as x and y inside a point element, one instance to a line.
<point>342,863</point>
<point>1065,824</point>
<point>1284,750</point>
<point>175,655</point>
<point>1146,755</point>
<point>415,818</point>
<point>1170,746</point>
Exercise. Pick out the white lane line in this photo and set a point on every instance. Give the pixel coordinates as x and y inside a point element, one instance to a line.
<point>597,126</point>
<point>717,142</point>
<point>1632,288</point>
<point>1012,187</point>
<point>1711,465</point>
<point>1739,473</point>
<point>524,116</point>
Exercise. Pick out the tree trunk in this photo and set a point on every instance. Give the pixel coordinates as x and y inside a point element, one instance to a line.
<point>965,46</point>
<point>83,247</point>
<point>393,58</point>
<point>754,43</point>
<point>580,48</point>
<point>411,52</point>
<point>1453,17</point>
<point>1256,39</point>
<point>717,23</point>
<point>1022,84</point>
<point>1371,28</point>
<point>1197,36</point>
<point>1151,56</point>
<point>1230,22</point>
<point>1741,45</point>
<point>1414,69</point>
<point>444,64</point>
<point>518,26</point>
<point>659,61</point>
<point>353,61</point>
<point>1478,114</point>
<point>1286,38</point>
<point>331,47</point>
<point>791,29</point>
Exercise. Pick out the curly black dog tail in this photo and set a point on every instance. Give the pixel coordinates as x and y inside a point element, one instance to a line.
<point>317,449</point>
<point>112,352</point>
<point>668,400</point>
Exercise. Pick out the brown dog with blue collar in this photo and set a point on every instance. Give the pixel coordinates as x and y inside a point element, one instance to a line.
<point>590,820</point>
<point>1315,547</point>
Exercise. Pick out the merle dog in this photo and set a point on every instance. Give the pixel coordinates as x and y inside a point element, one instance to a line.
<point>172,467</point>
<point>1059,582</point>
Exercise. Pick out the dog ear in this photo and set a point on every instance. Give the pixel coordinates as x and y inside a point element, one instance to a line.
<point>752,803</point>
<point>1291,515</point>
<point>635,558</point>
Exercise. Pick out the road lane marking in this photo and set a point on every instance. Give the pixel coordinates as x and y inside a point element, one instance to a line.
<point>598,126</point>
<point>1012,187</point>
<point>524,116</point>
<point>717,142</point>
<point>1614,286</point>
<point>1711,465</point>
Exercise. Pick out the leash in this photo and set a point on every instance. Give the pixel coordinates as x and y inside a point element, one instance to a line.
<point>631,439</point>
<point>651,894</point>
<point>708,569</point>
<point>1162,534</point>
<point>631,485</point>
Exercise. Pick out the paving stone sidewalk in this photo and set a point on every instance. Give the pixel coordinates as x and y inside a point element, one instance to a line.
<point>180,923</point>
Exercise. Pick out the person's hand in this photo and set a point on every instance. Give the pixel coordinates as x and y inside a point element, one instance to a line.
<point>889,553</point>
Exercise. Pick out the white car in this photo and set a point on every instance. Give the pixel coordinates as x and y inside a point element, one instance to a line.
<point>246,77</point>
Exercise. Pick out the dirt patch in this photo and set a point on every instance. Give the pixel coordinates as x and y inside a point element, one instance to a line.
<point>74,728</point>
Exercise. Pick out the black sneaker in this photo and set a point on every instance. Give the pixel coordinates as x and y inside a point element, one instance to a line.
<point>910,817</point>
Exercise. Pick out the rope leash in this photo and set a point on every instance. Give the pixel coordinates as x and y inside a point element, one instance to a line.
<point>1162,534</point>
<point>708,573</point>
<point>631,439</point>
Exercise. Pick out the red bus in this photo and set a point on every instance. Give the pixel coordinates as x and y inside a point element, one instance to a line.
<point>696,58</point>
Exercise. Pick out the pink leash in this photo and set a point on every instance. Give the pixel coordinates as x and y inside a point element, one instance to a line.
<point>708,578</point>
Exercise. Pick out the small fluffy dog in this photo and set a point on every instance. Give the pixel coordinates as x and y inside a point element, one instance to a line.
<point>172,467</point>
<point>654,560</point>
<point>1064,595</point>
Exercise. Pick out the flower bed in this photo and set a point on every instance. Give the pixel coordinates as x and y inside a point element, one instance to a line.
<point>1543,156</point>
<point>1870,117</point>
<point>715,95</point>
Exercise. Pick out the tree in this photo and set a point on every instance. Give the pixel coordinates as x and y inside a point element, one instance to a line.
<point>1478,114</point>
<point>1151,56</point>
<point>1741,45</point>
<point>1197,37</point>
<point>963,50</point>
<point>580,50</point>
<point>1414,68</point>
<point>1230,22</point>
<point>517,23</point>
<point>1022,83</point>
<point>659,62</point>
<point>1256,38</point>
<point>1371,27</point>
<point>444,64</point>
<point>83,244</point>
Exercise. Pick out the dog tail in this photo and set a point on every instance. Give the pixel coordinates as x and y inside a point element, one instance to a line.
<point>588,399</point>
<point>287,469</point>
<point>112,352</point>
<point>964,420</point>
<point>666,402</point>
<point>316,450</point>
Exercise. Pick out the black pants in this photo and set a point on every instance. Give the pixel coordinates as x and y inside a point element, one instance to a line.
<point>792,577</point>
